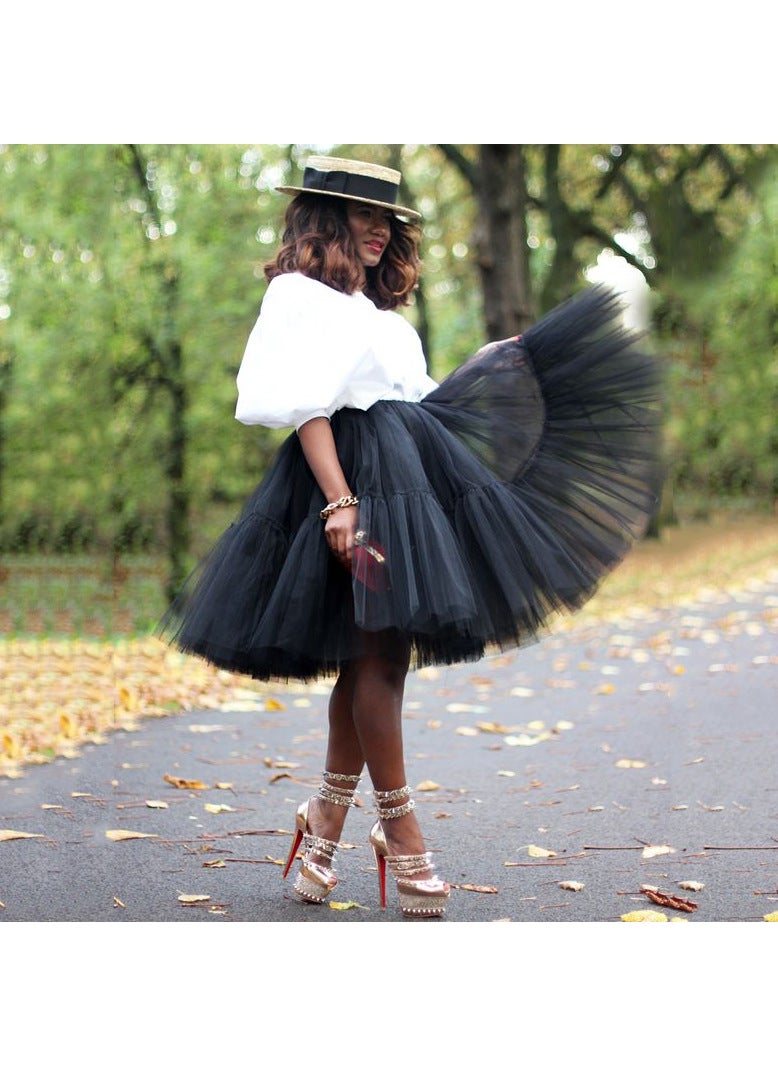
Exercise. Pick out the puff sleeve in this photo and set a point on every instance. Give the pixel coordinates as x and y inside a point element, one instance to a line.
<point>309,345</point>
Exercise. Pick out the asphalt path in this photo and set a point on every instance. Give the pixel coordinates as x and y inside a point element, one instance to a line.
<point>608,757</point>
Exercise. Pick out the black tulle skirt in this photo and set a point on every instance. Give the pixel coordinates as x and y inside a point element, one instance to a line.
<point>498,501</point>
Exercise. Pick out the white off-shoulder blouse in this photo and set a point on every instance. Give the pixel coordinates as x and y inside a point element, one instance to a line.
<point>314,350</point>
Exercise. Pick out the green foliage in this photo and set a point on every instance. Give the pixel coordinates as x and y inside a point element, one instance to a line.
<point>113,259</point>
<point>723,434</point>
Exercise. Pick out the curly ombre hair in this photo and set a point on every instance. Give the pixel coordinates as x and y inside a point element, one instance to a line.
<point>317,242</point>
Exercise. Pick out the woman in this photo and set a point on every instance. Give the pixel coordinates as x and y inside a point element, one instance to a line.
<point>405,522</point>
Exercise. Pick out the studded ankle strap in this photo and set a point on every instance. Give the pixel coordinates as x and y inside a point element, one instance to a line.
<point>386,806</point>
<point>341,797</point>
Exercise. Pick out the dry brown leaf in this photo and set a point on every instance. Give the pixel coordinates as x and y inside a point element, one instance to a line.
<point>14,834</point>
<point>215,864</point>
<point>126,834</point>
<point>184,782</point>
<point>488,889</point>
<point>118,903</point>
<point>677,903</point>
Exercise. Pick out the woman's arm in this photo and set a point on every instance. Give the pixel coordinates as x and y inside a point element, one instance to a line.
<point>318,447</point>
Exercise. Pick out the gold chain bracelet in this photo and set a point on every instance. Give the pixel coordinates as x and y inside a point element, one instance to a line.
<point>344,501</point>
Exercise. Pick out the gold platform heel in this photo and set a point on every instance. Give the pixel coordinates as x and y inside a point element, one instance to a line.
<point>316,879</point>
<point>419,897</point>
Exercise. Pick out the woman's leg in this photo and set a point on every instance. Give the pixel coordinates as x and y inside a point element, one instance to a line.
<point>365,726</point>
<point>344,757</point>
<point>378,688</point>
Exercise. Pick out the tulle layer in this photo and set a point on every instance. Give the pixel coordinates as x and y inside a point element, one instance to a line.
<point>501,499</point>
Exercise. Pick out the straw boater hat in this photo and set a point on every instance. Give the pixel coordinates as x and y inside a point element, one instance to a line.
<point>352,180</point>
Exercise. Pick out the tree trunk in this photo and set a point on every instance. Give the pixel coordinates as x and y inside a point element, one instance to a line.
<point>6,365</point>
<point>561,280</point>
<point>503,253</point>
<point>165,367</point>
<point>178,494</point>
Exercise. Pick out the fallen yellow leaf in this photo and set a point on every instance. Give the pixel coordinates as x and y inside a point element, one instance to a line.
<point>192,899</point>
<point>117,902</point>
<point>126,834</point>
<point>157,805</point>
<point>540,853</point>
<point>11,746</point>
<point>643,916</point>
<point>347,906</point>
<point>218,808</point>
<point>573,886</point>
<point>13,834</point>
<point>67,726</point>
<point>274,705</point>
<point>631,764</point>
<point>183,782</point>
<point>771,917</point>
<point>427,786</point>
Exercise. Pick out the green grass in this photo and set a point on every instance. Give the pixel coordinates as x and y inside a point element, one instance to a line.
<point>80,596</point>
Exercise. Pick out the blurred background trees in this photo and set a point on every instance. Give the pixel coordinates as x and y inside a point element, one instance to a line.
<point>131,275</point>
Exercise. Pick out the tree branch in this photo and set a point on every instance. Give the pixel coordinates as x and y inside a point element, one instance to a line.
<point>468,170</point>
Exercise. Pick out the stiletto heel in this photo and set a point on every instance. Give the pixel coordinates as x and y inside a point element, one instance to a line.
<point>423,897</point>
<point>316,879</point>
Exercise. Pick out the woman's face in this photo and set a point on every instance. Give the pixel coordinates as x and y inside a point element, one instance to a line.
<point>370,231</point>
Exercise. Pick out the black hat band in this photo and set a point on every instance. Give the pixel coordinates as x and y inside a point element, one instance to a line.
<point>359,185</point>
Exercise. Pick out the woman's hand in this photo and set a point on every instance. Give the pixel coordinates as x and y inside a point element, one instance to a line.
<point>339,529</point>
